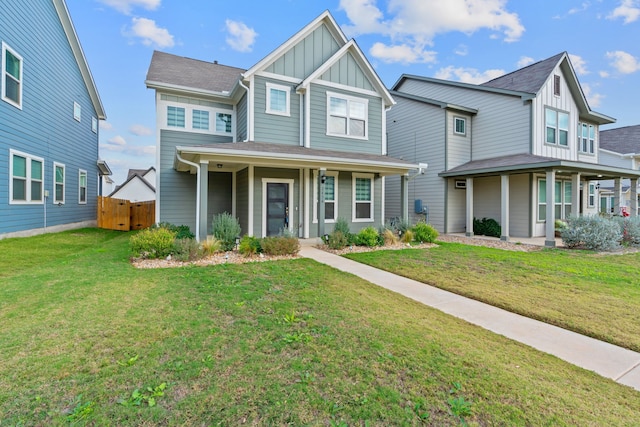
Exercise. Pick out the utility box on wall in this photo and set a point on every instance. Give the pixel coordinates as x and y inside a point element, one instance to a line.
<point>418,206</point>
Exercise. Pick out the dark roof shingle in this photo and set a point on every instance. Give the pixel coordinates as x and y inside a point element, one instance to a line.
<point>529,79</point>
<point>624,140</point>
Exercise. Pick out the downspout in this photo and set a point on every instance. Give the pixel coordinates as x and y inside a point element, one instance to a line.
<point>197,166</point>
<point>248,109</point>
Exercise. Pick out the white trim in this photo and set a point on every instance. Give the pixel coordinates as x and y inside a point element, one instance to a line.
<point>5,47</point>
<point>266,181</point>
<point>339,86</point>
<point>464,124</point>
<point>281,77</point>
<point>384,150</point>
<point>252,110</point>
<point>55,183</point>
<point>77,112</point>
<point>307,119</point>
<point>234,189</point>
<point>334,174</point>
<point>383,194</point>
<point>287,93</point>
<point>307,202</point>
<point>349,100</point>
<point>300,200</point>
<point>163,109</point>
<point>86,192</point>
<point>28,196</point>
<point>353,197</point>
<point>250,177</point>
<point>158,150</point>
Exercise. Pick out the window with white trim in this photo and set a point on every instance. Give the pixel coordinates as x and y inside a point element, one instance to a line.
<point>26,174</point>
<point>592,195</point>
<point>223,123</point>
<point>362,197</point>
<point>347,116</point>
<point>459,126</point>
<point>200,119</point>
<point>330,196</point>
<point>607,204</point>
<point>82,186</point>
<point>58,183</point>
<point>278,99</point>
<point>562,199</point>
<point>586,138</point>
<point>175,116</point>
<point>94,125</point>
<point>557,126</point>
<point>77,111</point>
<point>11,76</point>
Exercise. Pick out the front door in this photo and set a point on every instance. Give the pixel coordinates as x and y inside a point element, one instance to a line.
<point>277,207</point>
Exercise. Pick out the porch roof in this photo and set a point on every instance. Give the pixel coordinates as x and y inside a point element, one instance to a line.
<point>529,163</point>
<point>235,156</point>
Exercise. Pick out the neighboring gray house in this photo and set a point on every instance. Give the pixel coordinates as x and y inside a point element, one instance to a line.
<point>619,147</point>
<point>255,143</point>
<point>522,149</point>
<point>140,186</point>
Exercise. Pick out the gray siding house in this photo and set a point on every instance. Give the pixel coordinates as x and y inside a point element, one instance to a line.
<point>49,113</point>
<point>522,149</point>
<point>294,142</point>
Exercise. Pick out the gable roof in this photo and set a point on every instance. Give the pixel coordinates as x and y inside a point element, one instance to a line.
<point>141,172</point>
<point>435,102</point>
<point>177,72</point>
<point>81,60</point>
<point>529,79</point>
<point>624,140</point>
<point>131,178</point>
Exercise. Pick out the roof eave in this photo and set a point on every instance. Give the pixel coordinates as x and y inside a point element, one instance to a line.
<point>187,90</point>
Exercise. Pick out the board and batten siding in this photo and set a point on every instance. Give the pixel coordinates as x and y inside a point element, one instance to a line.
<point>319,138</point>
<point>502,125</point>
<point>416,133</point>
<point>347,72</point>
<point>274,128</point>
<point>45,126</point>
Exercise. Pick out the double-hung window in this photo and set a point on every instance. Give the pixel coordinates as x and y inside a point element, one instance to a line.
<point>175,116</point>
<point>592,195</point>
<point>58,180</point>
<point>278,99</point>
<point>330,196</point>
<point>362,197</point>
<point>200,119</point>
<point>82,187</point>
<point>557,125</point>
<point>11,76</point>
<point>562,199</point>
<point>347,116</point>
<point>27,173</point>
<point>586,138</point>
<point>223,123</point>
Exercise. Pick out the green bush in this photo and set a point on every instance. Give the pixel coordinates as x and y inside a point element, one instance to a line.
<point>407,236</point>
<point>249,245</point>
<point>152,243</point>
<point>425,233</point>
<point>280,245</point>
<point>342,226</point>
<point>486,227</point>
<point>368,237</point>
<point>337,240</point>
<point>181,231</point>
<point>186,249</point>
<point>226,228</point>
<point>630,227</point>
<point>592,232</point>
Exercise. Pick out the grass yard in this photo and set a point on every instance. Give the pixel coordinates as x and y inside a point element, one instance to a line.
<point>86,339</point>
<point>593,294</point>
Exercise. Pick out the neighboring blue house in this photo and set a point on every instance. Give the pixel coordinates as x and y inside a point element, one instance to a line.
<point>256,143</point>
<point>49,113</point>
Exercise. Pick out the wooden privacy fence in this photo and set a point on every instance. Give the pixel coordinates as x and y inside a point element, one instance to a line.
<point>123,215</point>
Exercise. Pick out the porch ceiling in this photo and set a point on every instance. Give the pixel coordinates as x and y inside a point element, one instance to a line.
<point>527,163</point>
<point>236,156</point>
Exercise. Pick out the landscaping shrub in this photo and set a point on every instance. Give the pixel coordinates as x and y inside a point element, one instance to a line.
<point>181,231</point>
<point>337,240</point>
<point>152,243</point>
<point>389,236</point>
<point>425,233</point>
<point>249,245</point>
<point>368,237</point>
<point>407,236</point>
<point>342,226</point>
<point>630,227</point>
<point>592,232</point>
<point>226,228</point>
<point>280,245</point>
<point>211,245</point>
<point>186,249</point>
<point>486,227</point>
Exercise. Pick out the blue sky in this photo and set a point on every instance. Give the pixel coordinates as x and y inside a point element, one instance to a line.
<point>462,40</point>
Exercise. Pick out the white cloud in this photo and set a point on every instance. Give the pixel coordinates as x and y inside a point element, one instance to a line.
<point>125,6</point>
<point>462,50</point>
<point>584,6</point>
<point>140,130</point>
<point>629,11</point>
<point>579,65</point>
<point>401,53</point>
<point>594,99</point>
<point>624,62</point>
<point>117,141</point>
<point>150,33</point>
<point>104,125</point>
<point>415,23</point>
<point>467,75</point>
<point>604,74</point>
<point>524,61</point>
<point>241,37</point>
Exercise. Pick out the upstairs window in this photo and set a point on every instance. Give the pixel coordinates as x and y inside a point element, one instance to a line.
<point>556,85</point>
<point>586,138</point>
<point>94,125</point>
<point>175,117</point>
<point>223,122</point>
<point>459,126</point>
<point>278,99</point>
<point>347,116</point>
<point>58,179</point>
<point>557,125</point>
<point>77,111</point>
<point>201,119</point>
<point>26,184</point>
<point>11,76</point>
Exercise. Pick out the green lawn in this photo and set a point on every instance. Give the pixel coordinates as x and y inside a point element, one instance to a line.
<point>273,343</point>
<point>593,294</point>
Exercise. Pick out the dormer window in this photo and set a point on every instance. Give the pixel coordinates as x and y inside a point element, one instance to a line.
<point>556,85</point>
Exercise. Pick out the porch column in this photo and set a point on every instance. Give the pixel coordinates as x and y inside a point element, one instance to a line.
<point>617,196</point>
<point>504,207</point>
<point>321,179</point>
<point>204,192</point>
<point>308,203</point>
<point>634,197</point>
<point>404,198</point>
<point>469,230</point>
<point>575,194</point>
<point>550,232</point>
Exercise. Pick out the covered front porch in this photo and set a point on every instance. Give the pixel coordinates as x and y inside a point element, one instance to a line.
<point>544,190</point>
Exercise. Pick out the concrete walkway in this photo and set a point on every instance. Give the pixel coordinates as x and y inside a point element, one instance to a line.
<point>620,364</point>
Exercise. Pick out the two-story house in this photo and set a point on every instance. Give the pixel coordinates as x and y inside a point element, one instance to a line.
<point>521,149</point>
<point>294,142</point>
<point>49,113</point>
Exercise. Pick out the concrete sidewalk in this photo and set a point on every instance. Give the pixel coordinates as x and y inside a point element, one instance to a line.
<point>620,364</point>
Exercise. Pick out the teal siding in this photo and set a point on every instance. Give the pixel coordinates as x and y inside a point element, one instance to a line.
<point>242,199</point>
<point>306,56</point>
<point>261,173</point>
<point>45,126</point>
<point>241,119</point>
<point>347,72</point>
<point>319,138</point>
<point>219,196</point>
<point>271,127</point>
